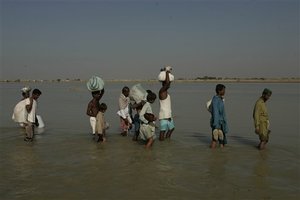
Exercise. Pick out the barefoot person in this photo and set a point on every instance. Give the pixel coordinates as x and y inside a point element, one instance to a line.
<point>124,111</point>
<point>25,112</point>
<point>136,119</point>
<point>261,118</point>
<point>165,114</point>
<point>31,107</point>
<point>147,119</point>
<point>96,86</point>
<point>138,96</point>
<point>218,120</point>
<point>93,108</point>
<point>101,124</point>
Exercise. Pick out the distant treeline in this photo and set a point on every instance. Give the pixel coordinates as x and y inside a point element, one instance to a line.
<point>204,78</point>
<point>230,78</point>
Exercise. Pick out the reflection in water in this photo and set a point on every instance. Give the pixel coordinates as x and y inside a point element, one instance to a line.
<point>261,172</point>
<point>22,162</point>
<point>217,165</point>
<point>39,131</point>
<point>217,173</point>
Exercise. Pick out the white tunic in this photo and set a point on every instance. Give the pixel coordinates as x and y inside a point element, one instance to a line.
<point>165,108</point>
<point>146,109</point>
<point>32,113</point>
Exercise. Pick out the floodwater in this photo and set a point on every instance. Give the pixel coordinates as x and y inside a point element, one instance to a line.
<point>64,162</point>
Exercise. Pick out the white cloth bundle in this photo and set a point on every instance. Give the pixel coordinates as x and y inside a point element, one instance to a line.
<point>26,89</point>
<point>41,122</point>
<point>124,113</point>
<point>20,113</point>
<point>138,93</point>
<point>162,76</point>
<point>208,106</point>
<point>95,84</point>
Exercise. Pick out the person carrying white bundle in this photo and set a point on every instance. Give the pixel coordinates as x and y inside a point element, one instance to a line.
<point>20,113</point>
<point>165,114</point>
<point>138,97</point>
<point>25,113</point>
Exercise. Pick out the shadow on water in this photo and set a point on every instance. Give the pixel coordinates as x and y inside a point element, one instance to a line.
<point>244,140</point>
<point>202,137</point>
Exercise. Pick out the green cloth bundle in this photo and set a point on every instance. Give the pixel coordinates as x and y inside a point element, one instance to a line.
<point>95,84</point>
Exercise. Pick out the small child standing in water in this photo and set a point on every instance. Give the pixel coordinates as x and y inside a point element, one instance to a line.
<point>101,124</point>
<point>93,108</point>
<point>147,119</point>
<point>124,111</point>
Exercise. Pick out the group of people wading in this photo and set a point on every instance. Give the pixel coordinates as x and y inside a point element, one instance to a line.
<point>144,119</point>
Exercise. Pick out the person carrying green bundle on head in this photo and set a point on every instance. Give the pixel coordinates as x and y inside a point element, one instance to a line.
<point>96,86</point>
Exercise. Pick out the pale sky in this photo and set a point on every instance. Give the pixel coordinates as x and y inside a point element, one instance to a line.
<point>43,39</point>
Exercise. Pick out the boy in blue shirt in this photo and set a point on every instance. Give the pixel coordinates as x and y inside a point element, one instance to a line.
<point>218,120</point>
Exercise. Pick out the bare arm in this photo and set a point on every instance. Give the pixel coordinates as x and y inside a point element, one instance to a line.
<point>149,117</point>
<point>142,114</point>
<point>138,105</point>
<point>89,111</point>
<point>29,106</point>
<point>163,92</point>
<point>121,104</point>
<point>102,93</point>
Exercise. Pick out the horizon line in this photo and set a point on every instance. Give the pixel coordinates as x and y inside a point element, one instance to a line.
<point>198,79</point>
